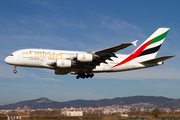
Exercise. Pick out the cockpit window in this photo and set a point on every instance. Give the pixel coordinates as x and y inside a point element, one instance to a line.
<point>11,55</point>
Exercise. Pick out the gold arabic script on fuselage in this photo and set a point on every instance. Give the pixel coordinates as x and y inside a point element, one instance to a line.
<point>50,55</point>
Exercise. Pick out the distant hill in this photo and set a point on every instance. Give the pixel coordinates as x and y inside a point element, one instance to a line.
<point>173,104</point>
<point>43,102</point>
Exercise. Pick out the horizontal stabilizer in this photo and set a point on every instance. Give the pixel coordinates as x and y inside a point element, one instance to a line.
<point>160,59</point>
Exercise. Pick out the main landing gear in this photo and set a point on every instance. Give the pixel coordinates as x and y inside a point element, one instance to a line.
<point>15,71</point>
<point>84,75</point>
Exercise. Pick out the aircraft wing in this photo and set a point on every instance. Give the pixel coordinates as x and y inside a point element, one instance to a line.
<point>98,57</point>
<point>156,60</point>
<point>102,55</point>
<point>116,48</point>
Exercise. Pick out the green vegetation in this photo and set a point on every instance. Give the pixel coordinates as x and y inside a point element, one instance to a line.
<point>156,113</point>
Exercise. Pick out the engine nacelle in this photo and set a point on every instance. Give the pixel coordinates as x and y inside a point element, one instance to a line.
<point>84,57</point>
<point>63,63</point>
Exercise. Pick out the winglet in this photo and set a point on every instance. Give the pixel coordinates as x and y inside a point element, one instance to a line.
<point>134,43</point>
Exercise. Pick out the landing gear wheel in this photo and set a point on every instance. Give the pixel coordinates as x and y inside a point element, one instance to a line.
<point>84,75</point>
<point>91,75</point>
<point>15,71</point>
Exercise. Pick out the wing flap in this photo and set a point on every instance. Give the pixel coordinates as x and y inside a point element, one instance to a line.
<point>157,59</point>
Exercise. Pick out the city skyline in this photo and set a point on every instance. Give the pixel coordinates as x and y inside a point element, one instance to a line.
<point>87,26</point>
<point>45,103</point>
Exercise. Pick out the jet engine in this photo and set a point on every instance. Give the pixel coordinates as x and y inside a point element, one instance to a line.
<point>84,57</point>
<point>63,63</point>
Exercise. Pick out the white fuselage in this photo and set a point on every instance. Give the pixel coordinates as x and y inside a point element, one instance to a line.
<point>85,64</point>
<point>41,57</point>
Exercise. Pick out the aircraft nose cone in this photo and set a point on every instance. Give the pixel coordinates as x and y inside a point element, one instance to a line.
<point>6,60</point>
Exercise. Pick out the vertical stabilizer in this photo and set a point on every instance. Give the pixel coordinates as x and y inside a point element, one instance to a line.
<point>149,48</point>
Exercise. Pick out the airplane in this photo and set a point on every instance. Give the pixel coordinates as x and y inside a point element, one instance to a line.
<point>85,64</point>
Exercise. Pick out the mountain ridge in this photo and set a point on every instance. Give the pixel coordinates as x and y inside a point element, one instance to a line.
<point>43,102</point>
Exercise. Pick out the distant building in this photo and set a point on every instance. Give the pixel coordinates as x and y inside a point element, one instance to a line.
<point>15,117</point>
<point>73,113</point>
<point>4,111</point>
<point>124,115</point>
<point>25,107</point>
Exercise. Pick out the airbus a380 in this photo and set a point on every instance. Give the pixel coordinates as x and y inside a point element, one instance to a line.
<point>85,64</point>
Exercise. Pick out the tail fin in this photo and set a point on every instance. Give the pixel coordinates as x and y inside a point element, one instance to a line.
<point>149,48</point>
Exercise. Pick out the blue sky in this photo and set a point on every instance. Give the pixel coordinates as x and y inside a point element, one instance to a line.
<point>87,26</point>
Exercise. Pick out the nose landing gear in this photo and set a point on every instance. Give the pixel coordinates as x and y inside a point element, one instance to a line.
<point>15,71</point>
<point>84,75</point>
